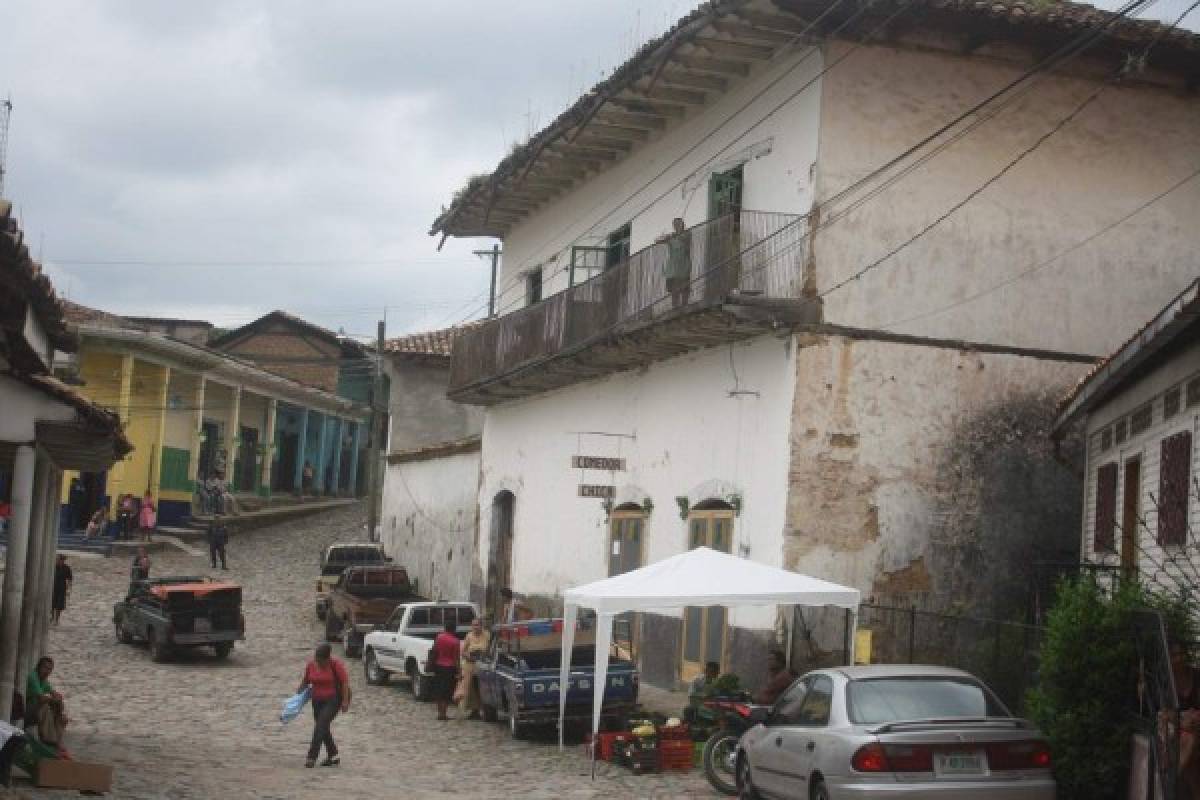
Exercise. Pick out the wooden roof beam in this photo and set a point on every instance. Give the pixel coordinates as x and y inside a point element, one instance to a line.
<point>774,22</point>
<point>684,96</point>
<point>595,139</point>
<point>719,66</point>
<point>644,105</point>
<point>567,150</point>
<point>750,33</point>
<point>724,47</point>
<point>615,131</point>
<point>625,119</point>
<point>692,80</point>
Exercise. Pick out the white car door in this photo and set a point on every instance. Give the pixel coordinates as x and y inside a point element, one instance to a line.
<point>768,762</point>
<point>804,740</point>
<point>388,653</point>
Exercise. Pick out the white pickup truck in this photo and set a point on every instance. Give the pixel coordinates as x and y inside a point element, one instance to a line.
<point>401,645</point>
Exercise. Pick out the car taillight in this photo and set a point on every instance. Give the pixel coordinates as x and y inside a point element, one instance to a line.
<point>1030,754</point>
<point>869,758</point>
<point>876,757</point>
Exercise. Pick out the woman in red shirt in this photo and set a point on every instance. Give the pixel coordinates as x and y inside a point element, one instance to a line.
<point>330,694</point>
<point>443,658</point>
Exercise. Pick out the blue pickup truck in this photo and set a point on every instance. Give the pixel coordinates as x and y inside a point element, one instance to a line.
<point>519,677</point>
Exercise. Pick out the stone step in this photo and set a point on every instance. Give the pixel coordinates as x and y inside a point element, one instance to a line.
<point>75,542</point>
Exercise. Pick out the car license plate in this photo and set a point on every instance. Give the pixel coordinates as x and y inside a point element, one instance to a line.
<point>961,762</point>
<point>202,626</point>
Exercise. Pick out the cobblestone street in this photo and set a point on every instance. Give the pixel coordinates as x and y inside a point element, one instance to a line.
<point>199,728</point>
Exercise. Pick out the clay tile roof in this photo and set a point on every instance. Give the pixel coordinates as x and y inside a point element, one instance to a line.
<point>20,272</point>
<point>427,343</point>
<point>580,141</point>
<point>225,338</point>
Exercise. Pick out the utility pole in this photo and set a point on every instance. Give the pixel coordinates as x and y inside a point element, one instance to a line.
<point>378,435</point>
<point>5,118</point>
<point>495,255</point>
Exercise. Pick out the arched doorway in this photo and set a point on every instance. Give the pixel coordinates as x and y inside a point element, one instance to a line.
<point>710,524</point>
<point>500,548</point>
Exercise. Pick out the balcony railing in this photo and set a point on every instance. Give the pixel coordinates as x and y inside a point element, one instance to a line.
<point>749,253</point>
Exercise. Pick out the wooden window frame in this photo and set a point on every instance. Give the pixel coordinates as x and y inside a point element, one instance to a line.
<point>535,289</point>
<point>1174,491</point>
<point>1104,521</point>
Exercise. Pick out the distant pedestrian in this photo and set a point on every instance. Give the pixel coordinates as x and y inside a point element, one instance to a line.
<point>330,694</point>
<point>218,535</point>
<point>306,478</point>
<point>95,526</point>
<point>125,516</point>
<point>443,663</point>
<point>140,569</point>
<point>147,516</point>
<point>77,497</point>
<point>678,267</point>
<point>63,577</point>
<point>474,648</point>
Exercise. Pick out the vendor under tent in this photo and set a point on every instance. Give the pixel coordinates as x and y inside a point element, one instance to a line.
<point>699,577</point>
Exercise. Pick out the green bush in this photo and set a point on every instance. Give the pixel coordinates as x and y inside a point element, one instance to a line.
<point>1087,687</point>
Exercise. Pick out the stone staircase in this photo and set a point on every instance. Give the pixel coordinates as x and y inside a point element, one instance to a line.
<point>75,541</point>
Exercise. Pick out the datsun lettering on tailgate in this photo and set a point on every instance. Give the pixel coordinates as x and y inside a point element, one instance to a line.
<point>520,677</point>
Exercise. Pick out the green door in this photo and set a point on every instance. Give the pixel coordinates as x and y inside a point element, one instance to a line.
<point>724,213</point>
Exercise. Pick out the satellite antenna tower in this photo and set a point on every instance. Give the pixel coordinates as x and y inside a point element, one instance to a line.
<point>5,117</point>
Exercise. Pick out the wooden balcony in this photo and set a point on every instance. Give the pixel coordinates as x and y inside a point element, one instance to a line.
<point>734,277</point>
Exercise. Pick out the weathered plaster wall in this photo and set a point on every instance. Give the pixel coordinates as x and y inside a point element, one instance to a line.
<point>429,523</point>
<point>778,180</point>
<point>925,476</point>
<point>420,414</point>
<point>693,439</point>
<point>1100,167</point>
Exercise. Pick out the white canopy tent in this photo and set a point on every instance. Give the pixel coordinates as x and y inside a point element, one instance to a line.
<point>699,577</point>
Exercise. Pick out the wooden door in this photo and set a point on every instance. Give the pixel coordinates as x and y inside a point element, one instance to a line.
<point>723,267</point>
<point>1130,516</point>
<point>625,553</point>
<point>704,628</point>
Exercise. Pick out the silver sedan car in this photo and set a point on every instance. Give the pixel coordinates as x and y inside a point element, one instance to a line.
<point>897,732</point>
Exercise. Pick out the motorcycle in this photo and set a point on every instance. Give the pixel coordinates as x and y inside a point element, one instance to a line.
<point>735,716</point>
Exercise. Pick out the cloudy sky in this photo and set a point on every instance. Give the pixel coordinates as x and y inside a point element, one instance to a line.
<point>224,158</point>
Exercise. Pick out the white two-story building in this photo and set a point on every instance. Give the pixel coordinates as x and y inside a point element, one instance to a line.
<point>846,365</point>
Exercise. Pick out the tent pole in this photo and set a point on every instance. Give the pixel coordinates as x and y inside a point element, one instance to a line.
<point>570,614</point>
<point>852,633</point>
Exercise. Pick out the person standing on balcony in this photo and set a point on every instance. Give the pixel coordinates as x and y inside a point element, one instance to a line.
<point>678,268</point>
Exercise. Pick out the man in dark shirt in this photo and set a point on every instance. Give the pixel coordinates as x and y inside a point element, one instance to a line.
<point>140,569</point>
<point>217,536</point>
<point>62,587</point>
<point>779,678</point>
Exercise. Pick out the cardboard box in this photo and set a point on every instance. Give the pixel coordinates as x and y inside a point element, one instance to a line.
<point>54,773</point>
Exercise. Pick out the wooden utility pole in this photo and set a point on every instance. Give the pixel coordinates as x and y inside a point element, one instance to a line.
<point>494,253</point>
<point>377,443</point>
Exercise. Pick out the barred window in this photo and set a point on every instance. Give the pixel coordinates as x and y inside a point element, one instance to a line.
<point>1140,420</point>
<point>1103,537</point>
<point>1120,431</point>
<point>1174,478</point>
<point>1106,439</point>
<point>1171,402</point>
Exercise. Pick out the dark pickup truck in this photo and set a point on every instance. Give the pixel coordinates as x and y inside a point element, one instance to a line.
<point>181,612</point>
<point>520,677</point>
<point>362,598</point>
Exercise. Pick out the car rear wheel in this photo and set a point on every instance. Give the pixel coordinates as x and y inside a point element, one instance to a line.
<point>515,726</point>
<point>422,687</point>
<point>223,649</point>
<point>488,712</point>
<point>333,628</point>
<point>819,792</point>
<point>159,651</point>
<point>375,674</point>
<point>745,784</point>
<point>123,636</point>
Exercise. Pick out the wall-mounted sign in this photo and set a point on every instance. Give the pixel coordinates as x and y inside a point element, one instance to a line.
<point>598,462</point>
<point>594,490</point>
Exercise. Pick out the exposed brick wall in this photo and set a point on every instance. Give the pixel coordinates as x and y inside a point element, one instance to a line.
<point>286,351</point>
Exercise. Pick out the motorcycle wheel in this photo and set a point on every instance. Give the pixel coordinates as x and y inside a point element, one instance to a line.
<point>719,767</point>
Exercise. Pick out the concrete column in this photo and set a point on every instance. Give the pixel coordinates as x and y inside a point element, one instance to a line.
<point>337,455</point>
<point>41,529</point>
<point>301,451</point>
<point>354,458</point>
<point>46,585</point>
<point>161,397</point>
<point>269,443</point>
<point>14,572</point>
<point>322,441</point>
<point>233,436</point>
<point>197,426</point>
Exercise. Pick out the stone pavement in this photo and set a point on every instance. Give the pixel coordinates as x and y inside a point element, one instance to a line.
<point>199,728</point>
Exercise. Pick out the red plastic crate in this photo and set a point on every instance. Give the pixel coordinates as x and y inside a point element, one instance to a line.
<point>605,742</point>
<point>673,732</point>
<point>675,754</point>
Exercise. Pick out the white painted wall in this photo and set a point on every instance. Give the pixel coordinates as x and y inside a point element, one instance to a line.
<point>692,439</point>
<point>23,407</point>
<point>780,180</point>
<point>1130,144</point>
<point>1146,445</point>
<point>428,521</point>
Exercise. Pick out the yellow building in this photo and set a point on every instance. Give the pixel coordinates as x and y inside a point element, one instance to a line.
<point>192,412</point>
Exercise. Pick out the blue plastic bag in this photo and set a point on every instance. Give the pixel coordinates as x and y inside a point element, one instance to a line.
<point>294,705</point>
